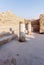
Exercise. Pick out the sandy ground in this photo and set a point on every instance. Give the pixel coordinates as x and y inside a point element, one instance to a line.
<point>30,52</point>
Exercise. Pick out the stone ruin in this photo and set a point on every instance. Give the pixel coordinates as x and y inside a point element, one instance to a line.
<point>24,29</point>
<point>9,22</point>
<point>38,25</point>
<point>42,23</point>
<point>13,24</point>
<point>35,25</point>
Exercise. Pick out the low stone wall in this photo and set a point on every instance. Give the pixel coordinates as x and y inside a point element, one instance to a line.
<point>7,39</point>
<point>4,34</point>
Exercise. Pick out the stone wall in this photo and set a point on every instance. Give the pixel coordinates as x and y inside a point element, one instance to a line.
<point>35,25</point>
<point>42,23</point>
<point>9,22</point>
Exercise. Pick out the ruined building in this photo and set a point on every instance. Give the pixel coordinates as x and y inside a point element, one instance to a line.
<point>35,25</point>
<point>38,25</point>
<point>9,22</point>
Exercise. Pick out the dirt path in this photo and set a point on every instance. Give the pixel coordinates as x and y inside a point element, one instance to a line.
<point>30,52</point>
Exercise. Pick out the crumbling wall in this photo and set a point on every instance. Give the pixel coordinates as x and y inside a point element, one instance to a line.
<point>42,23</point>
<point>35,25</point>
<point>27,26</point>
<point>9,22</point>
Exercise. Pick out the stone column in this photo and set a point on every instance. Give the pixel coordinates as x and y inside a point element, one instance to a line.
<point>29,28</point>
<point>21,31</point>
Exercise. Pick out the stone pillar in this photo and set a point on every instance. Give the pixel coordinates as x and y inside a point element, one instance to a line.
<point>21,31</point>
<point>29,28</point>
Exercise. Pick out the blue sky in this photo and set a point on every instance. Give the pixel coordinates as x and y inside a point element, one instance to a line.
<point>23,8</point>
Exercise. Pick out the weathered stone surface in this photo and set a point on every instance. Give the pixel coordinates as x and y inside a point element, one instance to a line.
<point>35,25</point>
<point>7,39</point>
<point>42,23</point>
<point>21,31</point>
<point>9,20</point>
<point>27,26</point>
<point>4,34</point>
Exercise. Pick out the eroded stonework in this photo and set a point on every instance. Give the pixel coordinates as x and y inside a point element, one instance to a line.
<point>42,23</point>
